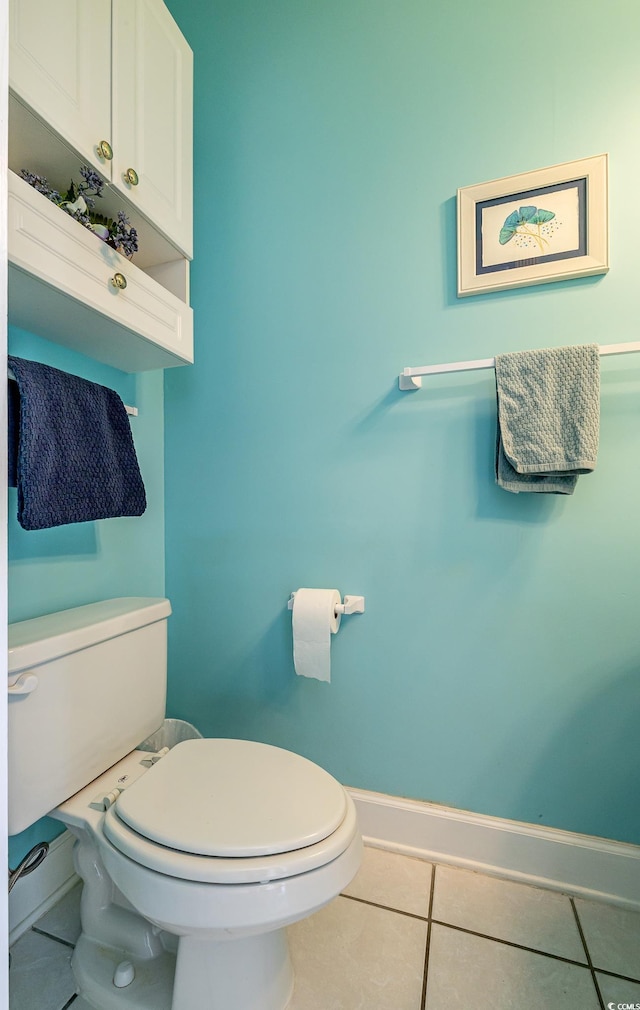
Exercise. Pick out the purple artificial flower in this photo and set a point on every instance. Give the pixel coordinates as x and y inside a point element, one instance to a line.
<point>92,181</point>
<point>79,205</point>
<point>123,236</point>
<point>40,185</point>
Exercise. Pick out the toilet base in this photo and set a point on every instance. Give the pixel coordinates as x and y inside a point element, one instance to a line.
<point>251,973</point>
<point>94,966</point>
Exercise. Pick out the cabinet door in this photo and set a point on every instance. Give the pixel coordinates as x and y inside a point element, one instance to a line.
<point>60,65</point>
<point>152,95</point>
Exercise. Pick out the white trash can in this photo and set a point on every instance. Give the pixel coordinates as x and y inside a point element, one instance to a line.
<point>171,732</point>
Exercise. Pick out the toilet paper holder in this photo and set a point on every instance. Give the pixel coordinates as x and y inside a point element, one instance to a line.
<point>349,605</point>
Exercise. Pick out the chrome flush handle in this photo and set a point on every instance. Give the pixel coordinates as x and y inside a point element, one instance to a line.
<point>25,684</point>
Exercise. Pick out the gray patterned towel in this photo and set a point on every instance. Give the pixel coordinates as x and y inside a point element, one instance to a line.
<point>548,418</point>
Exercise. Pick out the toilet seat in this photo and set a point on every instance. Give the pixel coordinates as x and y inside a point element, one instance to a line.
<point>232,811</point>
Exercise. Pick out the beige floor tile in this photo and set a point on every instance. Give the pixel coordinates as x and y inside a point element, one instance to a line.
<point>393,880</point>
<point>352,956</point>
<point>63,920</point>
<point>617,990</point>
<point>612,935</point>
<point>507,910</point>
<point>40,976</point>
<point>469,972</point>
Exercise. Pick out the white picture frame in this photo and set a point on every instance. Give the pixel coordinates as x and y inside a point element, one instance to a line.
<point>547,225</point>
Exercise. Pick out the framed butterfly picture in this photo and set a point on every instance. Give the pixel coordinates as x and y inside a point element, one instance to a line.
<point>547,225</point>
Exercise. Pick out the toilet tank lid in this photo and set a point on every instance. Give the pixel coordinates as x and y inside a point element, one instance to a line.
<point>43,639</point>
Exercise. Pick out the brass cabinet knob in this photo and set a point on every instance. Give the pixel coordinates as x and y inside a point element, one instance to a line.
<point>131,176</point>
<point>119,281</point>
<point>105,150</point>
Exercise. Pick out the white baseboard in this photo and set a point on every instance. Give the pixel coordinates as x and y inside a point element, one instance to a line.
<point>36,893</point>
<point>545,857</point>
<point>582,865</point>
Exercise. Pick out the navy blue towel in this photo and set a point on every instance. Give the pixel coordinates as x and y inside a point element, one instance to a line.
<point>71,454</point>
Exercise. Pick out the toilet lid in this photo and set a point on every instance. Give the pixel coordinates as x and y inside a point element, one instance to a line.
<point>233,798</point>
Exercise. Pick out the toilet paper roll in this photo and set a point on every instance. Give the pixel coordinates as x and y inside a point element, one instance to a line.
<point>314,621</point>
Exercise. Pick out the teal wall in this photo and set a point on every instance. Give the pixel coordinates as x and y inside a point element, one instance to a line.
<point>496,667</point>
<point>71,565</point>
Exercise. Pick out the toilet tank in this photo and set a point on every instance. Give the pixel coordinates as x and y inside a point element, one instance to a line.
<point>86,686</point>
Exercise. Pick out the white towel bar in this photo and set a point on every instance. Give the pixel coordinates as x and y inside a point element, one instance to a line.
<point>411,378</point>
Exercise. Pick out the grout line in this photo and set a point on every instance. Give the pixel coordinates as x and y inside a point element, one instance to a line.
<point>387,908</point>
<point>614,974</point>
<point>427,950</point>
<point>51,936</point>
<point>471,932</point>
<point>507,943</point>
<point>586,950</point>
<point>511,943</point>
<point>496,939</point>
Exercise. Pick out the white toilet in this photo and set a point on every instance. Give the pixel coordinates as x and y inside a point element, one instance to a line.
<point>194,859</point>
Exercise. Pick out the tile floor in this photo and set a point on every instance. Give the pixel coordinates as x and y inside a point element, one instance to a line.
<point>410,936</point>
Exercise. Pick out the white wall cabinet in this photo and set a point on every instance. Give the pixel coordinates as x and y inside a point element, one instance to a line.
<point>62,285</point>
<point>120,72</point>
<point>82,72</point>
